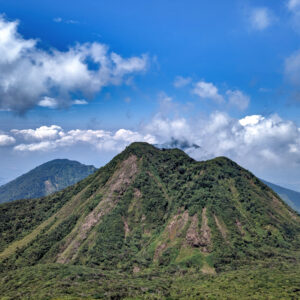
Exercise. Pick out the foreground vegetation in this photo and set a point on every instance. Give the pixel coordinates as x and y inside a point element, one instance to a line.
<point>55,281</point>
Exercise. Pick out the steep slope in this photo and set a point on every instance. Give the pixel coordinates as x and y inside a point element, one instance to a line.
<point>152,208</point>
<point>45,179</point>
<point>291,197</point>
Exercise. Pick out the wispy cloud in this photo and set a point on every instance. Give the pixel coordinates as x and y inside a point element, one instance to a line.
<point>61,20</point>
<point>260,18</point>
<point>292,68</point>
<point>209,91</point>
<point>181,81</point>
<point>293,7</point>
<point>238,99</point>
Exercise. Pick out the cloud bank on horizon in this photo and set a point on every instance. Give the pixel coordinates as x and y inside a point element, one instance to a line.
<point>252,140</point>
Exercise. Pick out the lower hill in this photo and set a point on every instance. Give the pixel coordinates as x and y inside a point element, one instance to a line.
<point>45,179</point>
<point>153,224</point>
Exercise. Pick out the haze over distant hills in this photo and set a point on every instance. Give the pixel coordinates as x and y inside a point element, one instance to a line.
<point>45,179</point>
<point>145,223</point>
<point>291,197</point>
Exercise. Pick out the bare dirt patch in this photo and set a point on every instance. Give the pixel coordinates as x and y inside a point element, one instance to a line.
<point>177,224</point>
<point>172,231</point>
<point>205,233</point>
<point>113,189</point>
<point>192,235</point>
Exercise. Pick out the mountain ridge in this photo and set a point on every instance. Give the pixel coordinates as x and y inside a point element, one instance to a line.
<point>152,210</point>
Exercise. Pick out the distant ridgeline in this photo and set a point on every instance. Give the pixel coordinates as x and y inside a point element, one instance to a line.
<point>45,179</point>
<point>291,197</point>
<point>153,222</point>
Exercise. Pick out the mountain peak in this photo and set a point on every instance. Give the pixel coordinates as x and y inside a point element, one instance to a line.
<point>153,207</point>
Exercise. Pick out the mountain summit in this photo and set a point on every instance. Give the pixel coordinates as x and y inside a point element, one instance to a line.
<point>150,208</point>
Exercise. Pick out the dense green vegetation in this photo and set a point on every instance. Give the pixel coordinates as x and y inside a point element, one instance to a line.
<point>45,179</point>
<point>53,281</point>
<point>152,223</point>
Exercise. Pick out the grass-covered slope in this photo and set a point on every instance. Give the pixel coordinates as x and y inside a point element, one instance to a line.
<point>45,179</point>
<point>150,210</point>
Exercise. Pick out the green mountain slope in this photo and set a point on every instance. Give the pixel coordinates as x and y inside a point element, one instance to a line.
<point>45,179</point>
<point>146,220</point>
<point>291,197</point>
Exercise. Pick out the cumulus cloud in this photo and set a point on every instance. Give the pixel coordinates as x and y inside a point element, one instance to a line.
<point>47,138</point>
<point>29,73</point>
<point>254,139</point>
<point>207,90</point>
<point>260,18</point>
<point>181,81</point>
<point>6,140</point>
<point>44,132</point>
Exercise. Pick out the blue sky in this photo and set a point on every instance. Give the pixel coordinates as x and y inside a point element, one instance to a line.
<point>83,79</point>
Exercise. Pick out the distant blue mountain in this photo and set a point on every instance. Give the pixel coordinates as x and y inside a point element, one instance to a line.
<point>45,179</point>
<point>291,197</point>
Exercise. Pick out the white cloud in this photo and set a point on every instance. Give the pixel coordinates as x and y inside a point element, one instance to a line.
<point>6,140</point>
<point>260,18</point>
<point>29,73</point>
<point>207,90</point>
<point>254,141</point>
<point>79,102</point>
<point>48,102</point>
<point>251,120</point>
<point>267,145</point>
<point>238,98</point>
<point>181,81</point>
<point>47,138</point>
<point>44,132</point>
